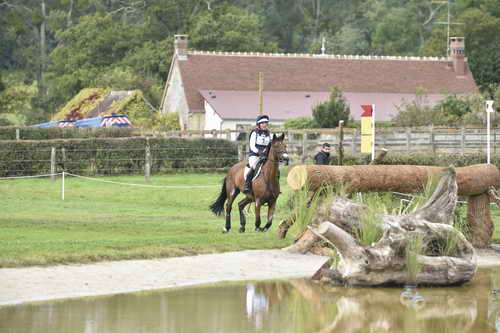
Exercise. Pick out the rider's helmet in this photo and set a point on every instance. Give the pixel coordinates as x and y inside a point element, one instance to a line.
<point>262,119</point>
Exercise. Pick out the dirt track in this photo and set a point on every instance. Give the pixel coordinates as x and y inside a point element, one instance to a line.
<point>19,285</point>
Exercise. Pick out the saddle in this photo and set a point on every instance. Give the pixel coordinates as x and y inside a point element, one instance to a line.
<point>258,169</point>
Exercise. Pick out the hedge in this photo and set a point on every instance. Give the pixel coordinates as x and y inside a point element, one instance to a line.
<point>52,133</point>
<point>436,159</point>
<point>115,155</point>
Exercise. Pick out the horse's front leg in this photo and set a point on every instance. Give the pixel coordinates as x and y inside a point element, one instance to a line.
<point>270,214</point>
<point>257,215</point>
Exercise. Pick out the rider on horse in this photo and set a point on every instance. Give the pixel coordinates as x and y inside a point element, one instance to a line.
<point>260,137</point>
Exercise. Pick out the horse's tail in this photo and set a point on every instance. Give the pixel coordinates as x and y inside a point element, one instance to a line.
<point>218,206</point>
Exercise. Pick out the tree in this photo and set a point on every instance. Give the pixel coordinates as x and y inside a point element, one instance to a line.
<point>328,114</point>
<point>482,38</point>
<point>350,40</point>
<point>229,29</point>
<point>395,35</point>
<point>88,50</point>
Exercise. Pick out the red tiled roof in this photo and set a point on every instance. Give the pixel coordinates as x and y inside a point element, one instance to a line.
<point>282,105</point>
<point>393,75</point>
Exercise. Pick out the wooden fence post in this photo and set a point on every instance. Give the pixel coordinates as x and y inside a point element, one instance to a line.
<point>341,143</point>
<point>494,141</point>
<point>53,164</point>
<point>462,141</point>
<point>18,134</point>
<point>354,140</point>
<point>147,162</point>
<point>63,152</point>
<point>408,139</point>
<point>304,136</point>
<point>241,151</point>
<point>431,139</point>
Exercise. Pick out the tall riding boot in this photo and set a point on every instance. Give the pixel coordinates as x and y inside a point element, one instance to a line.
<point>248,182</point>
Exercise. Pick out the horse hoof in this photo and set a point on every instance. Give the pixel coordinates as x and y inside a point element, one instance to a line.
<point>241,230</point>
<point>265,229</point>
<point>258,229</point>
<point>225,231</point>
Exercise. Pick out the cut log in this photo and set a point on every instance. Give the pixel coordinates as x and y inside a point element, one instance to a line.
<point>479,220</point>
<point>445,258</point>
<point>471,180</point>
<point>304,244</point>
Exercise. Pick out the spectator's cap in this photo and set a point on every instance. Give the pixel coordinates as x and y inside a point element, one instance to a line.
<point>262,119</point>
<point>326,145</point>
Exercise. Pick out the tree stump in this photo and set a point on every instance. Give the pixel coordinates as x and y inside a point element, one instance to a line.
<point>445,257</point>
<point>479,220</point>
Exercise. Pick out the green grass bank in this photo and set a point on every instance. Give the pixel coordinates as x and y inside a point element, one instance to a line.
<point>101,221</point>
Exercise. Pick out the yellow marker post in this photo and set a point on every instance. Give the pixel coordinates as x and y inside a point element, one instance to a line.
<point>368,130</point>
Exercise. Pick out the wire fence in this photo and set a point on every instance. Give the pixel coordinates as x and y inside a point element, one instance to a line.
<point>120,161</point>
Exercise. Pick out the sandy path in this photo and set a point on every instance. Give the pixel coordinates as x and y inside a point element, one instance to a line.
<point>19,285</point>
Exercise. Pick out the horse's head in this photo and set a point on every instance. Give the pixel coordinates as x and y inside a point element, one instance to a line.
<point>278,150</point>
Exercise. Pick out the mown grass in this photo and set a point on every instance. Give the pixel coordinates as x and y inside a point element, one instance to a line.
<point>99,221</point>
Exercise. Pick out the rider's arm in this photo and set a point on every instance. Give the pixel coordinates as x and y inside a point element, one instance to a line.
<point>253,139</point>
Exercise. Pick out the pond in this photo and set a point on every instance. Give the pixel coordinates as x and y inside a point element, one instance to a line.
<point>272,306</point>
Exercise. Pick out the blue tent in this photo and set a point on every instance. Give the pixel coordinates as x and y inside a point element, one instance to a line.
<point>104,121</point>
<point>60,123</point>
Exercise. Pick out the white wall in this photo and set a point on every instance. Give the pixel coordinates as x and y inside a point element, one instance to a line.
<point>175,99</point>
<point>212,120</point>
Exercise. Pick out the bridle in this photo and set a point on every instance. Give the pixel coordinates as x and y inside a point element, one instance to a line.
<point>282,154</point>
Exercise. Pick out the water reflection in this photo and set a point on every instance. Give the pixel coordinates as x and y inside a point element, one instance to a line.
<point>291,307</point>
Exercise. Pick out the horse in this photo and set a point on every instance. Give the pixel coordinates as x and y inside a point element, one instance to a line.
<point>265,187</point>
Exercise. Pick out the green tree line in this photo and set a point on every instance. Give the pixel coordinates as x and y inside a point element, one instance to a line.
<point>51,49</point>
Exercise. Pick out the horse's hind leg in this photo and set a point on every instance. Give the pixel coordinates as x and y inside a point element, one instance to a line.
<point>241,206</point>
<point>270,214</point>
<point>229,205</point>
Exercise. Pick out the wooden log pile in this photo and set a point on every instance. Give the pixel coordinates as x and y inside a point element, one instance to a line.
<point>445,257</point>
<point>474,182</point>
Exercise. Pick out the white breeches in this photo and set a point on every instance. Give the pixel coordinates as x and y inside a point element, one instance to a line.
<point>252,161</point>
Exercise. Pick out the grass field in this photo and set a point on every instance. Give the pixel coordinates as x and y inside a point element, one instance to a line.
<point>101,221</point>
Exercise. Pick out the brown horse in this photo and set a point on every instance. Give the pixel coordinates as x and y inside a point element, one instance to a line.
<point>265,188</point>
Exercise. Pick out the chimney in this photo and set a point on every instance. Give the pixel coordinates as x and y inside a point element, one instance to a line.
<point>181,46</point>
<point>457,49</point>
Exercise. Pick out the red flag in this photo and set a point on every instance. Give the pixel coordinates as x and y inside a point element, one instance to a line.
<point>368,110</point>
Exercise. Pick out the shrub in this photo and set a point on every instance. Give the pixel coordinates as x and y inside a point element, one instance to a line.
<point>454,106</point>
<point>417,112</point>
<point>299,123</point>
<point>167,121</point>
<point>328,114</point>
